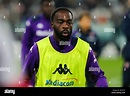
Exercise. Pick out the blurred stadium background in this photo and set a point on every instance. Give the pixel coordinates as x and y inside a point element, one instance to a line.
<point>105,13</point>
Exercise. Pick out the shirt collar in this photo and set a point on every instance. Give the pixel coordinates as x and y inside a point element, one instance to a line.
<point>61,48</point>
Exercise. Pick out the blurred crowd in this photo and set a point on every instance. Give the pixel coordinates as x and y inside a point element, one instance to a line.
<point>106,16</point>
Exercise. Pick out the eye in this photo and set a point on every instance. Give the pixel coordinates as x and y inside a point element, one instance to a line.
<point>60,22</point>
<point>69,22</point>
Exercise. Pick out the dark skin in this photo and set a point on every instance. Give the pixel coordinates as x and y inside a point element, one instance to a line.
<point>83,25</point>
<point>47,7</point>
<point>62,25</point>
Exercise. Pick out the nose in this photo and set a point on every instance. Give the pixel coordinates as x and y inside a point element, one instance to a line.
<point>65,25</point>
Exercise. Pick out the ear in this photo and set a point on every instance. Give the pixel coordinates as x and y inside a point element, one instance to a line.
<point>52,24</point>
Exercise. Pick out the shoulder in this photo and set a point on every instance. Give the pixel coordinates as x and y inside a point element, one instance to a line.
<point>33,19</point>
<point>34,49</point>
<point>83,47</point>
<point>36,18</point>
<point>43,41</point>
<point>83,44</point>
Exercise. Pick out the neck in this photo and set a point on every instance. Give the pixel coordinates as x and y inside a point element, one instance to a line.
<point>85,30</point>
<point>56,38</point>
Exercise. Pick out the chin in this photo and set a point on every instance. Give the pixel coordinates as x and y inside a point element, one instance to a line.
<point>65,38</point>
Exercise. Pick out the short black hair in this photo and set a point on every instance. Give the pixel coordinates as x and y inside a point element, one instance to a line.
<point>59,9</point>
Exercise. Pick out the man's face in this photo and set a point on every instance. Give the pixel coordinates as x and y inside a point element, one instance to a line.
<point>62,25</point>
<point>85,22</point>
<point>47,8</point>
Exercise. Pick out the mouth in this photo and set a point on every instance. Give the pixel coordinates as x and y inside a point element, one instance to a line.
<point>65,33</point>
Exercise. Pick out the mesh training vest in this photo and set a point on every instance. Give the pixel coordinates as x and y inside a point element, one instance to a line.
<point>61,69</point>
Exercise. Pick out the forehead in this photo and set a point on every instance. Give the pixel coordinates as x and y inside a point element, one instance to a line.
<point>63,14</point>
<point>85,17</point>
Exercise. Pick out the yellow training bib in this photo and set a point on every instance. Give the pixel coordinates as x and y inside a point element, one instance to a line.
<point>61,69</point>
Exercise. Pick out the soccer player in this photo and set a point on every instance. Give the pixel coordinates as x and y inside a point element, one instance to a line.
<point>85,32</point>
<point>37,28</point>
<point>52,64</point>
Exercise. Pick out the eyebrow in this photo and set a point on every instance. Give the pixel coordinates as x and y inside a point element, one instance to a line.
<point>63,19</point>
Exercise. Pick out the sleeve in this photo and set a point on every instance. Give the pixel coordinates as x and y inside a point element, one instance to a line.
<point>30,67</point>
<point>95,71</point>
<point>26,41</point>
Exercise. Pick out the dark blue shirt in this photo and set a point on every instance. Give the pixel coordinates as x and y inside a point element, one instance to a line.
<point>90,37</point>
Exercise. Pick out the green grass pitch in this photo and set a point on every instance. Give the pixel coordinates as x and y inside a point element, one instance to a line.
<point>113,70</point>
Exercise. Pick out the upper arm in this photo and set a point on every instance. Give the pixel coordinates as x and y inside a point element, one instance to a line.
<point>92,67</point>
<point>32,62</point>
<point>95,71</point>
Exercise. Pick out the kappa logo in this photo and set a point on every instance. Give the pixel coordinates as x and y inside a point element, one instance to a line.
<point>61,70</point>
